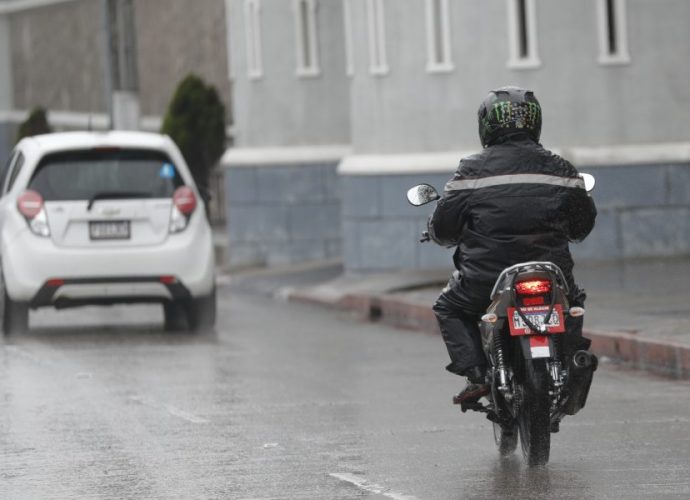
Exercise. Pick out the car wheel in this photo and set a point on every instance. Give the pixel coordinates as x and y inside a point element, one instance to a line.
<point>16,316</point>
<point>174,316</point>
<point>201,312</point>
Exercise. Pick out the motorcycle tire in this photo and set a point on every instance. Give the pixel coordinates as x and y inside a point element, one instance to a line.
<point>506,438</point>
<point>533,416</point>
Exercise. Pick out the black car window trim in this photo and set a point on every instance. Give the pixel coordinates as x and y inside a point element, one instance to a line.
<point>18,164</point>
<point>6,168</point>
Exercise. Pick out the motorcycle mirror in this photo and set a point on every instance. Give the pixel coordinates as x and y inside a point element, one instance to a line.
<point>422,194</point>
<point>589,181</point>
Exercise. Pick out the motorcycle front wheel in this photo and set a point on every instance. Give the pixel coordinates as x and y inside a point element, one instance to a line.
<point>533,414</point>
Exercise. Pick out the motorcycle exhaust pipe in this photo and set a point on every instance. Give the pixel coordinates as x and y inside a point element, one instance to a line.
<point>583,360</point>
<point>583,365</point>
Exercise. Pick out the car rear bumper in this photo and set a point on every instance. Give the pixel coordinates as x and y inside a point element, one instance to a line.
<point>107,291</point>
<point>108,275</point>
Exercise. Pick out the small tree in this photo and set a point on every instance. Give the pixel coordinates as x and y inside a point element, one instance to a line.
<point>35,124</point>
<point>195,120</point>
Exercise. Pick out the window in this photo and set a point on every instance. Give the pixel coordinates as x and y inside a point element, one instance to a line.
<point>305,36</point>
<point>252,24</point>
<point>349,49</point>
<point>82,175</point>
<point>378,64</point>
<point>522,33</point>
<point>613,36</point>
<point>438,36</point>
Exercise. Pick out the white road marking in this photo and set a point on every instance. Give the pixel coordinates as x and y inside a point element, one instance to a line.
<point>365,485</point>
<point>172,410</point>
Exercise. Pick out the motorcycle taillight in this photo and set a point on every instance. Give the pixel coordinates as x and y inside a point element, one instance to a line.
<point>533,287</point>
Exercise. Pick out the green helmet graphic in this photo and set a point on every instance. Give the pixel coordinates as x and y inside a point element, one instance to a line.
<point>509,109</point>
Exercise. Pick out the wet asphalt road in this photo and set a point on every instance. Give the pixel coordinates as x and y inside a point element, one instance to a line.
<point>289,401</point>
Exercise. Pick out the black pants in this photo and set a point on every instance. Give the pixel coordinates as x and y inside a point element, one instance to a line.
<point>460,307</point>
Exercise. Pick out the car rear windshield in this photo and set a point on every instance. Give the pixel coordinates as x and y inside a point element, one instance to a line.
<point>83,175</point>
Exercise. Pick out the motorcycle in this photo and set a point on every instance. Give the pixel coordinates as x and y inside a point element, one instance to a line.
<point>538,373</point>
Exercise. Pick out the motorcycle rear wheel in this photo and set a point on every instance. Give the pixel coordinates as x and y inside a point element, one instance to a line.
<point>506,438</point>
<point>533,415</point>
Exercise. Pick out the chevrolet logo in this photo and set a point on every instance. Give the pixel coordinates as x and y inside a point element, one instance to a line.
<point>110,212</point>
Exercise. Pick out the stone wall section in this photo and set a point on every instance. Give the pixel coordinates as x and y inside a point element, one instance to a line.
<point>643,211</point>
<point>175,38</point>
<point>282,214</point>
<point>58,55</point>
<point>381,230</point>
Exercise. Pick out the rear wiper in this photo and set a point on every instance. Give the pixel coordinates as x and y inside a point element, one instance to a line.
<point>115,195</point>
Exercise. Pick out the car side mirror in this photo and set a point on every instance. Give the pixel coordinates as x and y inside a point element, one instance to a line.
<point>422,194</point>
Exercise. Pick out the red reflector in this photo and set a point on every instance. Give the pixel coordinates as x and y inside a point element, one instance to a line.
<point>30,204</point>
<point>533,301</point>
<point>533,287</point>
<point>168,280</point>
<point>185,200</point>
<point>54,283</point>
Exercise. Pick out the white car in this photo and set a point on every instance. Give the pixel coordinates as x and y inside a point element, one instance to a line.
<point>90,218</point>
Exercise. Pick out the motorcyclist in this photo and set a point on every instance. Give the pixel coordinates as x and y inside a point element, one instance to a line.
<point>513,202</point>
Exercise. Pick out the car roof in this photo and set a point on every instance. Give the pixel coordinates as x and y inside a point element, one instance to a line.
<point>65,141</point>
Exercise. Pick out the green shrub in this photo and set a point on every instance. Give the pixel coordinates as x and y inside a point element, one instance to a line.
<point>35,124</point>
<point>195,120</point>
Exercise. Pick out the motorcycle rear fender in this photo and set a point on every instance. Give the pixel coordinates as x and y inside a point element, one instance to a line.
<point>537,346</point>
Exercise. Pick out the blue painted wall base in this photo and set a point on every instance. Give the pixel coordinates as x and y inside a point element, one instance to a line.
<point>282,214</point>
<point>644,211</point>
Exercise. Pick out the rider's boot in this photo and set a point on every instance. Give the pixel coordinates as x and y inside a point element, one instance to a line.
<point>475,389</point>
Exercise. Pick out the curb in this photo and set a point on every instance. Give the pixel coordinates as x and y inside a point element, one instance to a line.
<point>658,356</point>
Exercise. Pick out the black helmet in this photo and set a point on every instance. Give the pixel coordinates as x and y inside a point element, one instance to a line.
<point>509,109</point>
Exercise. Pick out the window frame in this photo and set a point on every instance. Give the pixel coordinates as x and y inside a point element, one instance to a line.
<point>621,56</point>
<point>526,29</point>
<point>438,42</point>
<point>349,45</point>
<point>306,38</point>
<point>252,38</point>
<point>376,31</point>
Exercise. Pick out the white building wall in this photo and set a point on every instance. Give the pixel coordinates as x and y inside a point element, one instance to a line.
<point>281,107</point>
<point>406,122</point>
<point>585,102</point>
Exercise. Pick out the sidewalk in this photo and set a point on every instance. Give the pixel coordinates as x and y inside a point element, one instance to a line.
<point>638,312</point>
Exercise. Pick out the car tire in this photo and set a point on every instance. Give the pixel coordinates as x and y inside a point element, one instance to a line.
<point>201,312</point>
<point>174,316</point>
<point>16,316</point>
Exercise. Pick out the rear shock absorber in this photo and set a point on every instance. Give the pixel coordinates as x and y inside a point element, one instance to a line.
<point>555,368</point>
<point>500,362</point>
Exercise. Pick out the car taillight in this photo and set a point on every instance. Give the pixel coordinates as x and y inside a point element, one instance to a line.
<point>184,204</point>
<point>185,200</point>
<point>533,287</point>
<point>30,205</point>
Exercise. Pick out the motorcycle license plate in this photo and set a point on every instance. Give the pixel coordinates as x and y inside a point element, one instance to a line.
<point>537,316</point>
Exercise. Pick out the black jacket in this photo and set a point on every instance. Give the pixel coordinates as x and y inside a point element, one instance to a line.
<point>513,202</point>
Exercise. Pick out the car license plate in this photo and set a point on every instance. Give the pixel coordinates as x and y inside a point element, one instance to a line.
<point>109,230</point>
<point>537,316</point>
